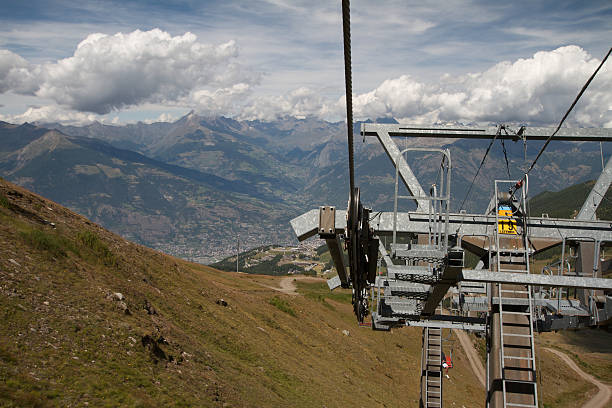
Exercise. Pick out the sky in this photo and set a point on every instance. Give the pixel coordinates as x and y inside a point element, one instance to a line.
<point>418,61</point>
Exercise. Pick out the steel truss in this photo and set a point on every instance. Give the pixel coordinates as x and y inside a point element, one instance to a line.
<point>420,273</point>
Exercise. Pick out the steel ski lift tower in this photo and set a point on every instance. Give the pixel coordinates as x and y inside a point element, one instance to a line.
<point>425,259</point>
<point>426,256</point>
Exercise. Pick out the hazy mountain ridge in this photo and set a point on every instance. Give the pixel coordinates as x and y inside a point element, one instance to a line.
<point>191,186</point>
<point>159,204</point>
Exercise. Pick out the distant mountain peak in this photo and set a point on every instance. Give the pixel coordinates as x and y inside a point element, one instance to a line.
<point>49,142</point>
<point>389,120</point>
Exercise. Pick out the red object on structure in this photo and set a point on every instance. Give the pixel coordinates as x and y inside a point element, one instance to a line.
<point>449,362</point>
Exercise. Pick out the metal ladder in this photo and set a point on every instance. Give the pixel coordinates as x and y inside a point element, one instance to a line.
<point>517,349</point>
<point>431,368</point>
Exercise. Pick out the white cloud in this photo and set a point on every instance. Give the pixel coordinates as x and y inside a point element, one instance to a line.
<point>299,103</point>
<point>536,90</point>
<point>52,113</point>
<point>107,72</point>
<point>152,68</point>
<point>225,101</point>
<point>16,73</point>
<point>165,117</point>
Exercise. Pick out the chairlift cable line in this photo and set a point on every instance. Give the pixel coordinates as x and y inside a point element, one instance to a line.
<point>484,158</point>
<point>346,29</point>
<point>506,157</point>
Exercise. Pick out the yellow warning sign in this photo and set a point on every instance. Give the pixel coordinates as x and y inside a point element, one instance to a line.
<point>506,226</point>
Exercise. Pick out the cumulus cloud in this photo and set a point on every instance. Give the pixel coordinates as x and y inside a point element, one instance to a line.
<point>299,103</point>
<point>52,113</point>
<point>536,90</point>
<point>164,117</point>
<point>110,72</point>
<point>16,74</point>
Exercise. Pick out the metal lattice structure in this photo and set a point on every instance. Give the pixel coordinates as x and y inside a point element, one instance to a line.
<point>501,297</point>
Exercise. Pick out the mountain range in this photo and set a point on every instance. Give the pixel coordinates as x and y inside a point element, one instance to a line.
<point>196,187</point>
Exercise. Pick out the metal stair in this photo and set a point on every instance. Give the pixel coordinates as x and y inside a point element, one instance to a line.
<point>397,300</point>
<point>431,368</point>
<point>515,306</point>
<point>413,273</point>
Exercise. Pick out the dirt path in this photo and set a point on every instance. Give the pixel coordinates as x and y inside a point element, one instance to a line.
<point>605,392</point>
<point>287,284</point>
<point>472,356</point>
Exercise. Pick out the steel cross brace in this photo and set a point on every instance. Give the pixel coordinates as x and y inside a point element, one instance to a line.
<point>587,212</point>
<point>404,170</point>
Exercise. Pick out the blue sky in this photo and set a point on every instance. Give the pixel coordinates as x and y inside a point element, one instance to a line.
<point>262,59</point>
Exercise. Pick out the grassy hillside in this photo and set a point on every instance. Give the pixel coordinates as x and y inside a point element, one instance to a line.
<point>277,260</point>
<point>69,338</point>
<point>567,202</point>
<point>91,319</point>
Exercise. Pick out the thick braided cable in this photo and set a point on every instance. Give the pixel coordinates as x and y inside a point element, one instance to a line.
<point>346,28</point>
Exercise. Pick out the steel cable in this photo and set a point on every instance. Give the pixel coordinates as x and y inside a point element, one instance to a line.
<point>346,29</point>
<point>506,157</point>
<point>480,166</point>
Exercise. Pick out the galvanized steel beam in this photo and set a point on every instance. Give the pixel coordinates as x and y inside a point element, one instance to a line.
<point>587,212</point>
<point>482,275</point>
<point>385,256</point>
<point>405,172</point>
<point>488,132</point>
<point>306,225</point>
<point>447,325</point>
<point>335,249</point>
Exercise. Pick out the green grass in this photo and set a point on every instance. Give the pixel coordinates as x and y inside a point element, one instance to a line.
<point>566,396</point>
<point>282,305</point>
<point>565,203</point>
<point>4,202</point>
<point>320,298</point>
<point>52,243</point>
<point>100,249</point>
<point>481,347</point>
<point>57,245</point>
<point>319,291</point>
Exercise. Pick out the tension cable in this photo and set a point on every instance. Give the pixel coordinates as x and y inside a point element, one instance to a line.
<point>481,164</point>
<point>506,157</point>
<point>348,81</point>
